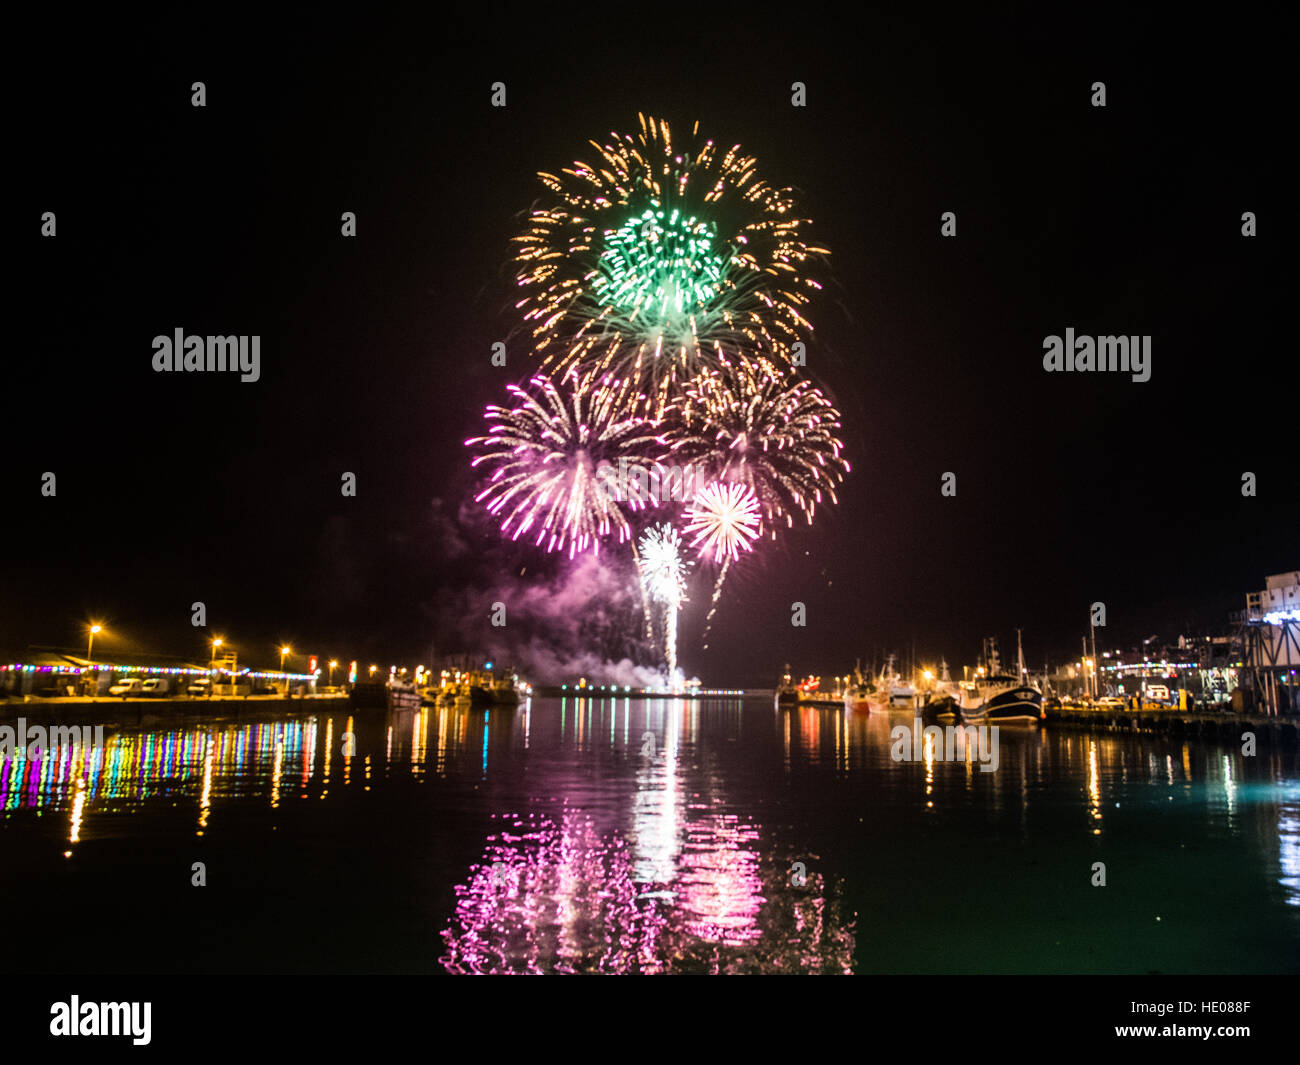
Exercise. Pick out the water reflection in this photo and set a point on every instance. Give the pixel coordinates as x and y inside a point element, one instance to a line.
<point>1288,840</point>
<point>565,896</point>
<point>619,835</point>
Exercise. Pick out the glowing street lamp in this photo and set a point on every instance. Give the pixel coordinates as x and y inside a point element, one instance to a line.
<point>93,688</point>
<point>283,652</point>
<point>333,665</point>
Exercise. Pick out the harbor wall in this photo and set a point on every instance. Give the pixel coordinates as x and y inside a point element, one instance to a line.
<point>1227,728</point>
<point>151,711</point>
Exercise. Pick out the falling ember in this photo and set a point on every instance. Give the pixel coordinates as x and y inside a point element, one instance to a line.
<point>725,520</point>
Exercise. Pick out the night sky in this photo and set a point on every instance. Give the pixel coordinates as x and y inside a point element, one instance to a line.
<point>1071,488</point>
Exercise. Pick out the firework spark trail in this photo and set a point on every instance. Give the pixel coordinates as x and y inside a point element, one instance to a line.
<point>725,520</point>
<point>713,603</point>
<point>554,457</point>
<point>664,577</point>
<point>755,424</point>
<point>662,259</point>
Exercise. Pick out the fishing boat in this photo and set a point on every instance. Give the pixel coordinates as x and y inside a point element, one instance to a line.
<point>941,699</point>
<point>475,691</point>
<point>787,692</point>
<point>402,694</point>
<point>999,698</point>
<point>858,695</point>
<point>901,692</point>
<point>811,694</point>
<point>887,685</point>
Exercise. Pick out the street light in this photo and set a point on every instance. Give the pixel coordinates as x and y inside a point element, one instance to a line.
<point>284,651</point>
<point>90,650</point>
<point>333,663</point>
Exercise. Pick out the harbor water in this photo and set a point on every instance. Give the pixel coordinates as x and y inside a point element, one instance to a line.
<point>650,836</point>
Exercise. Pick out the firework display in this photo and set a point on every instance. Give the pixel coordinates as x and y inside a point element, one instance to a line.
<point>546,457</point>
<point>725,520</point>
<point>757,425</point>
<point>662,258</point>
<point>664,285</point>
<point>663,573</point>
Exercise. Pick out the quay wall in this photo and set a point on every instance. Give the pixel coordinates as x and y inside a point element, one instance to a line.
<point>38,711</point>
<point>1226,728</point>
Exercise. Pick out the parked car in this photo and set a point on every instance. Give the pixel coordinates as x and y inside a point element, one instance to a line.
<point>202,686</point>
<point>127,686</point>
<point>1110,702</point>
<point>156,686</point>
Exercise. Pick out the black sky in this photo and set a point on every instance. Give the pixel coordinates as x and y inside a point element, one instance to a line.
<point>1071,488</point>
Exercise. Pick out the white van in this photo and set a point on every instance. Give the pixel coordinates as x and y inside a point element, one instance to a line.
<point>127,686</point>
<point>156,686</point>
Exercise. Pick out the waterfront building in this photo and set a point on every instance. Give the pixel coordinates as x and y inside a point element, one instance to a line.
<point>1269,634</point>
<point>57,672</point>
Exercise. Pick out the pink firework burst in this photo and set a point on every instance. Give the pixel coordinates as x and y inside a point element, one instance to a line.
<point>724,518</point>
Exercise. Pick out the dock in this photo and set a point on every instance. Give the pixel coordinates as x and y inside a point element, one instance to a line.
<point>149,711</point>
<point>1269,730</point>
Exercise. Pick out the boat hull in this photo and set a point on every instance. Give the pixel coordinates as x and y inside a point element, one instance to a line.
<point>943,708</point>
<point>403,699</point>
<point>1023,705</point>
<point>858,702</point>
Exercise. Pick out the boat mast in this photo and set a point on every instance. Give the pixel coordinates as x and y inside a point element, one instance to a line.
<point>1092,631</point>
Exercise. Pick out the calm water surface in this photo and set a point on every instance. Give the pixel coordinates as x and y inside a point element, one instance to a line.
<point>605,835</point>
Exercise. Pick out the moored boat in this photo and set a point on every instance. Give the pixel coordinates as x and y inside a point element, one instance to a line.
<point>811,693</point>
<point>940,707</point>
<point>859,693</point>
<point>787,692</point>
<point>402,695</point>
<point>999,698</point>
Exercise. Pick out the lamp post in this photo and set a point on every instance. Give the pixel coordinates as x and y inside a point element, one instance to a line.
<point>212,662</point>
<point>90,650</point>
<point>283,652</point>
<point>333,663</point>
